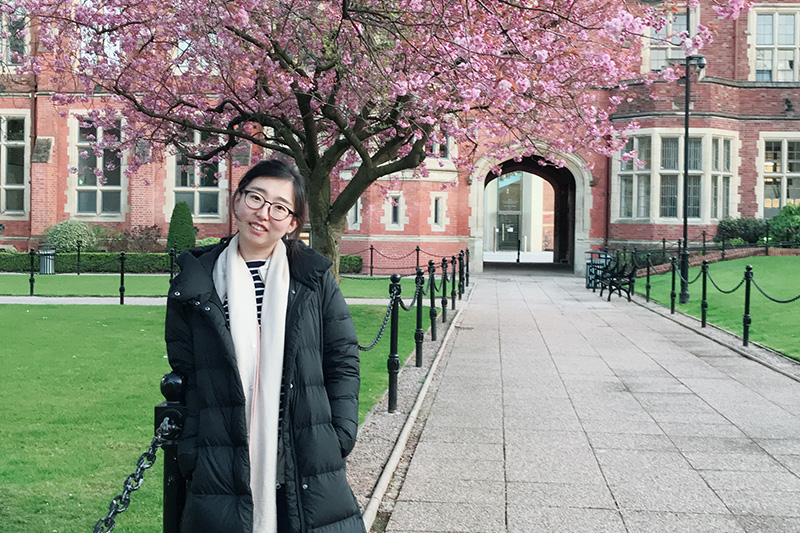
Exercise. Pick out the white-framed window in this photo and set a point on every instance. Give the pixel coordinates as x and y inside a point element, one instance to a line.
<point>12,46</point>
<point>394,212</point>
<point>354,216</point>
<point>651,185</point>
<point>781,175</point>
<point>720,177</point>
<point>99,187</point>
<point>438,220</point>
<point>634,179</point>
<point>14,179</point>
<point>776,41</point>
<point>664,45</point>
<point>197,182</point>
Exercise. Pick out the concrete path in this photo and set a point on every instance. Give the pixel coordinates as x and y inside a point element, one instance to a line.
<point>557,411</point>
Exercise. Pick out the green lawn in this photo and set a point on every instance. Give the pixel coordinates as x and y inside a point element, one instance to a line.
<point>774,325</point>
<point>79,384</point>
<point>158,284</point>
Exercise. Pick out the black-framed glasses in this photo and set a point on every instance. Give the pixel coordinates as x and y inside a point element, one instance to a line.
<point>276,211</point>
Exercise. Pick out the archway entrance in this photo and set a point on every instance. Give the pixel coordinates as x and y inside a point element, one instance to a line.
<point>535,211</point>
<point>532,207</point>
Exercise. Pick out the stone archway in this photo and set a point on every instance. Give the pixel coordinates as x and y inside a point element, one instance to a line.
<point>572,206</point>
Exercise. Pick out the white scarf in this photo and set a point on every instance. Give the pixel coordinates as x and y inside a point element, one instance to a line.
<point>260,362</point>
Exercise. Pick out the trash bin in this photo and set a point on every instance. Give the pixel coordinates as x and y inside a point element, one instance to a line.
<point>47,259</point>
<point>597,261</point>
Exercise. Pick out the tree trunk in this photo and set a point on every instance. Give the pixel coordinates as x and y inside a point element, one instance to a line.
<point>326,234</point>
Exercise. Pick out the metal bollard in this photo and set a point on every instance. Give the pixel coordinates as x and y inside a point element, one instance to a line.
<point>647,285</point>
<point>444,290</point>
<point>32,279</point>
<point>704,300</point>
<point>460,274</point>
<point>466,255</point>
<point>419,334</point>
<point>172,387</point>
<point>78,261</point>
<point>417,250</point>
<point>746,321</point>
<point>432,288</point>
<point>672,293</point>
<point>393,363</point>
<point>371,259</point>
<point>453,289</point>
<point>122,278</point>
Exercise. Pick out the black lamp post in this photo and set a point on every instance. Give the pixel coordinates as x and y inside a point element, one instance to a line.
<point>700,62</point>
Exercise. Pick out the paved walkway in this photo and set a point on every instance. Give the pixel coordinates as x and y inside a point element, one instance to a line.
<point>557,411</point>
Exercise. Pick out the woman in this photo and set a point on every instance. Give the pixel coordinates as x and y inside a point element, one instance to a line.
<point>262,334</point>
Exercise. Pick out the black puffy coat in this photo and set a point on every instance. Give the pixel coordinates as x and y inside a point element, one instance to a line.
<point>321,381</point>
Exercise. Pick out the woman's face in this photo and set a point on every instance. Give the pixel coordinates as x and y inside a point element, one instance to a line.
<point>259,232</point>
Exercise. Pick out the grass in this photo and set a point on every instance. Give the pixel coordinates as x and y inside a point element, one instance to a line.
<point>158,284</point>
<point>79,384</point>
<point>773,325</point>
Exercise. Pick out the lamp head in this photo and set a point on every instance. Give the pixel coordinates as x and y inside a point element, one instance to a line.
<point>701,62</point>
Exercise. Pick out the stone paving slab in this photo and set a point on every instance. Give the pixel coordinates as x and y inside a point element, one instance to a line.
<point>557,411</point>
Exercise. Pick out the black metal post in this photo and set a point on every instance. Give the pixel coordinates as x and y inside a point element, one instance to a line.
<point>172,387</point>
<point>121,278</point>
<point>766,241</point>
<point>78,261</point>
<point>704,242</point>
<point>371,259</point>
<point>417,257</point>
<point>704,301</point>
<point>466,256</point>
<point>419,334</point>
<point>444,290</point>
<point>663,250</point>
<point>172,253</point>
<point>393,363</point>
<point>723,248</point>
<point>453,288</point>
<point>460,274</point>
<point>672,293</point>
<point>647,285</point>
<point>32,279</point>
<point>432,288</point>
<point>746,321</point>
<point>519,248</point>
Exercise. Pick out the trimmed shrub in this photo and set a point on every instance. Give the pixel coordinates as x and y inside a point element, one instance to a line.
<point>65,236</point>
<point>181,228</point>
<point>350,264</point>
<point>750,230</point>
<point>18,262</point>
<point>786,226</point>
<point>135,263</point>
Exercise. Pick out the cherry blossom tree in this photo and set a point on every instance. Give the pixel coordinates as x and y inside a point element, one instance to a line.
<point>353,89</point>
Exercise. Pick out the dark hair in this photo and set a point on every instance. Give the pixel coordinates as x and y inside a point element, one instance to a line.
<point>275,168</point>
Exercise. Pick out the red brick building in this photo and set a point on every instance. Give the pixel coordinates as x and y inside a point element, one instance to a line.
<point>744,160</point>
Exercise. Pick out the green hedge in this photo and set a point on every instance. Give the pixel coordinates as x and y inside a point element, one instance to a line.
<point>350,264</point>
<point>135,262</point>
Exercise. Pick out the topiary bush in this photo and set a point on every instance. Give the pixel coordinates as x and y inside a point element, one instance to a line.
<point>350,264</point>
<point>65,236</point>
<point>181,228</point>
<point>750,230</point>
